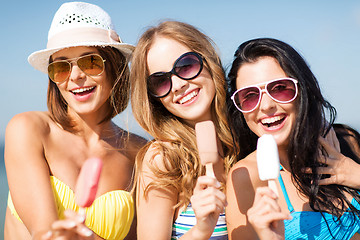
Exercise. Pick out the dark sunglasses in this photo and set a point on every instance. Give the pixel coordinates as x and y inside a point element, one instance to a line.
<point>283,90</point>
<point>188,66</point>
<point>92,65</point>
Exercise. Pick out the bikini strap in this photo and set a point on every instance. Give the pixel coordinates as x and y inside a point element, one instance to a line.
<point>283,189</point>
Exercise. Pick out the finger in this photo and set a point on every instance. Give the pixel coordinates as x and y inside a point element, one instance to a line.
<point>265,205</point>
<point>264,191</point>
<point>326,170</point>
<point>268,219</point>
<point>327,181</point>
<point>333,139</point>
<point>64,224</point>
<point>77,217</point>
<point>211,208</point>
<point>307,170</point>
<point>204,182</point>
<point>214,192</point>
<point>207,197</point>
<point>84,231</point>
<point>47,235</point>
<point>330,149</point>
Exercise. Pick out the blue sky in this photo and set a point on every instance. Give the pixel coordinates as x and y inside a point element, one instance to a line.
<point>325,32</point>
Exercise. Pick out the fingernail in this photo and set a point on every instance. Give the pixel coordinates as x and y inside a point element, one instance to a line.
<point>71,224</point>
<point>82,215</point>
<point>81,218</point>
<point>48,234</point>
<point>218,184</point>
<point>87,232</point>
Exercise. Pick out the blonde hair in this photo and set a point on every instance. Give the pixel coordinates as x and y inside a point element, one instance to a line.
<point>174,139</point>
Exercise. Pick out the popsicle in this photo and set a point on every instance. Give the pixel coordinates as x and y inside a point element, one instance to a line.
<point>268,161</point>
<point>207,145</point>
<point>87,182</point>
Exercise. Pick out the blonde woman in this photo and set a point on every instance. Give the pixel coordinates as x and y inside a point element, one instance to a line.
<point>177,80</point>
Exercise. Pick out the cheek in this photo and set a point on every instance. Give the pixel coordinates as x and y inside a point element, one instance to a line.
<point>165,101</point>
<point>250,119</point>
<point>62,88</point>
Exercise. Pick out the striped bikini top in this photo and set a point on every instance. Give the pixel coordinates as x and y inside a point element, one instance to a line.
<point>319,226</point>
<point>187,220</point>
<point>110,216</point>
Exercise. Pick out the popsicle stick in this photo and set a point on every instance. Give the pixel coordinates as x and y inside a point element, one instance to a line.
<point>272,185</point>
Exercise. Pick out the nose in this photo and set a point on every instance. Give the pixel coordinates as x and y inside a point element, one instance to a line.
<point>178,84</point>
<point>266,102</point>
<point>76,73</point>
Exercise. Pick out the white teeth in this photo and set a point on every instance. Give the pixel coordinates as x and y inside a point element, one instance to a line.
<point>270,120</point>
<point>188,97</point>
<point>81,90</point>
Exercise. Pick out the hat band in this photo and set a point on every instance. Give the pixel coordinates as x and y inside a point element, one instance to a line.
<point>78,35</point>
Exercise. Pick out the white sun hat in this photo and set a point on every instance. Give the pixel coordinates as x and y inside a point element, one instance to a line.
<point>79,24</point>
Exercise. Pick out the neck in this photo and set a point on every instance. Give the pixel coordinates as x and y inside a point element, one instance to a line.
<point>89,126</point>
<point>284,160</point>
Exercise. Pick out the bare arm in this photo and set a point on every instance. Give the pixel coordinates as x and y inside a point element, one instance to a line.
<point>240,196</point>
<point>28,173</point>
<point>156,213</point>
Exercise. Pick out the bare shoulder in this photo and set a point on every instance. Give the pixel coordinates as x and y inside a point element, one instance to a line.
<point>137,141</point>
<point>129,143</point>
<point>240,192</point>
<point>153,156</point>
<point>244,172</point>
<point>153,163</point>
<point>34,123</point>
<point>243,178</point>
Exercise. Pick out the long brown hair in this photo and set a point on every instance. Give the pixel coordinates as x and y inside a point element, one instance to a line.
<point>174,139</point>
<point>117,72</point>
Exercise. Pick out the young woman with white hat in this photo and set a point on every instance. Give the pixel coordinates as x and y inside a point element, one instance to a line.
<point>87,65</point>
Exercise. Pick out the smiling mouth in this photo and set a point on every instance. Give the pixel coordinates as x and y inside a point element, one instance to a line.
<point>189,97</point>
<point>83,91</point>
<point>272,122</point>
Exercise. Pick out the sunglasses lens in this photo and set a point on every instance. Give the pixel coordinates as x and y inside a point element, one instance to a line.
<point>247,98</point>
<point>59,71</point>
<point>282,90</point>
<point>188,67</point>
<point>92,65</point>
<point>159,84</point>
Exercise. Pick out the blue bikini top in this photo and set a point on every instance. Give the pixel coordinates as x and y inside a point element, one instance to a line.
<point>316,225</point>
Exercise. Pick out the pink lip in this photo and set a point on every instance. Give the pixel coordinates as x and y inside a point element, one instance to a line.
<point>191,100</point>
<point>84,96</point>
<point>274,128</point>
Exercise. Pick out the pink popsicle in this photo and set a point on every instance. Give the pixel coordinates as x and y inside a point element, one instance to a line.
<point>207,145</point>
<point>87,182</point>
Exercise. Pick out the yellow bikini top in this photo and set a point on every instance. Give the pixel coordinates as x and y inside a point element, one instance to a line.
<point>110,216</point>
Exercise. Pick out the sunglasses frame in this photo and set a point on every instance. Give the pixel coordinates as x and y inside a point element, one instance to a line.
<point>173,72</point>
<point>71,60</point>
<point>261,91</point>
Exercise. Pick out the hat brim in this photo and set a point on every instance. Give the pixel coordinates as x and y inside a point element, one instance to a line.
<point>40,59</point>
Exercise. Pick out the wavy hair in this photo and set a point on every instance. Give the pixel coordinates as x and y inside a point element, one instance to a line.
<point>315,116</point>
<point>117,72</point>
<point>174,138</point>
